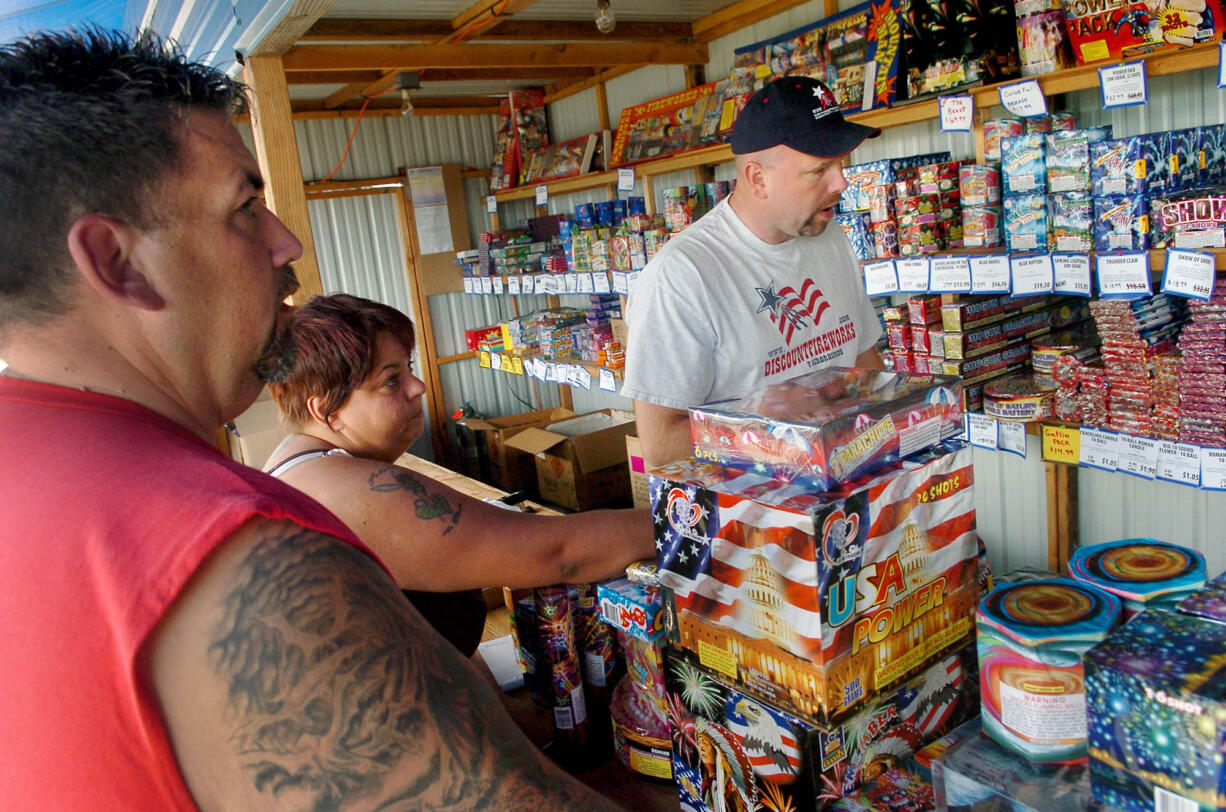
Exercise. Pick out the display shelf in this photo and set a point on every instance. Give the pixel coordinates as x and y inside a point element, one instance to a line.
<point>1157,256</point>
<point>517,365</point>
<point>544,284</point>
<point>579,183</point>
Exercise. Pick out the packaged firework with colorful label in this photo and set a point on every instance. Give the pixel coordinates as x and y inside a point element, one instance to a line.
<point>981,226</point>
<point>827,426</point>
<point>819,601</point>
<point>1183,159</point>
<point>632,608</point>
<point>1070,221</point>
<point>1121,223</point>
<point>559,652</point>
<point>856,227</point>
<point>1212,154</point>
<point>1068,158</point>
<point>1025,222</point>
<point>1023,164</point>
<point>735,749</point>
<point>1157,148</point>
<point>979,184</point>
<point>860,178</point>
<point>1128,29</point>
<point>996,129</point>
<point>1118,167</point>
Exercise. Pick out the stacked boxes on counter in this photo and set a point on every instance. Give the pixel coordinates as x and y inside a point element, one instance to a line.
<point>901,206</point>
<point>564,332</point>
<point>817,637</point>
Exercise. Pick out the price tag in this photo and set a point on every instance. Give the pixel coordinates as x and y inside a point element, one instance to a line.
<point>517,365</point>
<point>499,285</point>
<point>468,284</point>
<point>514,285</point>
<point>957,113</point>
<point>1060,444</point>
<point>1032,274</point>
<point>950,275</point>
<point>1012,437</point>
<point>880,278</point>
<point>585,283</point>
<point>542,194</point>
<point>495,360</point>
<point>1221,64</point>
<point>1179,462</point>
<point>483,358</point>
<point>530,366</point>
<point>1213,469</point>
<point>1123,275</point>
<point>487,285</point>
<point>571,281</point>
<point>608,383</point>
<point>625,179</point>
<point>600,281</point>
<point>621,283</point>
<point>1099,449</point>
<point>580,377</point>
<point>913,275</point>
<point>964,435</point>
<point>541,372</point>
<point>1188,273</point>
<point>1138,456</point>
<point>1123,85</point>
<point>1071,273</point>
<point>982,430</point>
<point>491,204</point>
<point>559,373</point>
<point>1023,98</point>
<point>990,274</point>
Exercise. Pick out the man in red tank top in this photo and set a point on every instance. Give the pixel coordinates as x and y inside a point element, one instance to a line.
<point>183,631</point>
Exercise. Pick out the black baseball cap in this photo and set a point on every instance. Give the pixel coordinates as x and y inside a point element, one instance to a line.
<point>797,112</point>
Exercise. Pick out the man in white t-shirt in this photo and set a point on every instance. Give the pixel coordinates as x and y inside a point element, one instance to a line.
<point>760,289</point>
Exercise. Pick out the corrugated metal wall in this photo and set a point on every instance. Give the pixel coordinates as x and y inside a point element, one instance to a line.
<point>360,252</point>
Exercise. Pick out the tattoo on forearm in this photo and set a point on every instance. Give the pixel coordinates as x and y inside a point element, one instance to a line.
<point>427,505</point>
<point>334,683</point>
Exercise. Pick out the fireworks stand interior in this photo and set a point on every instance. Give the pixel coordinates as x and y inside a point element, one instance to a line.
<point>1012,602</point>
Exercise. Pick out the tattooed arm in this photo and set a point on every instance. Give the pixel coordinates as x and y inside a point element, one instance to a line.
<point>434,538</point>
<point>293,675</point>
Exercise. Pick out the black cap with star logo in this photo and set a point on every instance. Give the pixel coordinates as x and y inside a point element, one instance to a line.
<point>797,112</point>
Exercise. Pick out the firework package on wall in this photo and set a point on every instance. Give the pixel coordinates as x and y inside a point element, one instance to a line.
<point>1100,30</point>
<point>947,45</point>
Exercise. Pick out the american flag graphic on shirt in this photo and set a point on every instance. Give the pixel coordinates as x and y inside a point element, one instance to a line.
<point>791,309</point>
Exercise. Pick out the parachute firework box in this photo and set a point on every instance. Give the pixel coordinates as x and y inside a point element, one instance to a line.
<point>1156,713</point>
<point>1121,223</point>
<point>1118,167</point>
<point>827,426</point>
<point>736,749</point>
<point>1103,29</point>
<point>818,601</point>
<point>1023,164</point>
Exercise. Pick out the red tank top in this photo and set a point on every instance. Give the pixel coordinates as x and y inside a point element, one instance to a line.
<point>106,510</point>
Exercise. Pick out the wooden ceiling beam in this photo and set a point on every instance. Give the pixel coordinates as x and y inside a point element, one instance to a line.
<point>413,57</point>
<point>364,77</point>
<point>483,15</point>
<point>331,77</point>
<point>557,92</point>
<point>381,30</point>
<point>293,24</point>
<point>422,105</point>
<point>737,16</point>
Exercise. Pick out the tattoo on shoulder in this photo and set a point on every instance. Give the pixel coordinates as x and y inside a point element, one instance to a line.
<point>335,685</point>
<point>427,505</point>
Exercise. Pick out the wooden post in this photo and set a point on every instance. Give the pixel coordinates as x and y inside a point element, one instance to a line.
<point>425,327</point>
<point>1062,514</point>
<point>602,109</point>
<point>276,149</point>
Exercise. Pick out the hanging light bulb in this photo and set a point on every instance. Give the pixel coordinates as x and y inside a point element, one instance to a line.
<point>406,81</point>
<point>406,104</point>
<point>604,17</point>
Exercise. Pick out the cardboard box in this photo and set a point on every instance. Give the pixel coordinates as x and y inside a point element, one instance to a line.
<point>638,472</point>
<point>581,462</point>
<point>819,601</point>
<point>256,433</point>
<point>510,468</point>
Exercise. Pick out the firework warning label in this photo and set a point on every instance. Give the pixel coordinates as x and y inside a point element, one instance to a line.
<point>1043,717</point>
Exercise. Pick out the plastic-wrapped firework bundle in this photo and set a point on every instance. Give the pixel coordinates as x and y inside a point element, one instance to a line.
<point>1070,221</point>
<point>556,630</point>
<point>1202,372</point>
<point>1064,402</point>
<point>1082,343</point>
<point>1144,573</point>
<point>979,184</point>
<point>1030,637</point>
<point>1037,124</point>
<point>640,733</point>
<point>1092,394</point>
<point>595,637</point>
<point>996,129</point>
<point>885,239</point>
<point>1042,43</point>
<point>1165,371</point>
<point>981,226</point>
<point>880,203</point>
<point>1062,121</point>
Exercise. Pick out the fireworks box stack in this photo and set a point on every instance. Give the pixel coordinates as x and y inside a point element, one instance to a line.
<point>872,190</point>
<point>1201,399</point>
<point>819,566</point>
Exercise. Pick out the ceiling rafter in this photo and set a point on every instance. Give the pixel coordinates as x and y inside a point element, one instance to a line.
<point>413,57</point>
<point>383,30</point>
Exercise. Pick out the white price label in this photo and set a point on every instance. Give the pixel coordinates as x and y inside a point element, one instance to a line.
<point>1012,437</point>
<point>1213,469</point>
<point>499,285</point>
<point>625,179</point>
<point>514,285</point>
<point>990,274</point>
<point>1123,85</point>
<point>1032,275</point>
<point>1138,456</point>
<point>621,282</point>
<point>1071,273</point>
<point>880,278</point>
<point>586,284</point>
<point>559,373</point>
<point>600,281</point>
<point>1023,98</point>
<point>1099,449</point>
<point>542,194</point>
<point>570,283</point>
<point>1221,64</point>
<point>913,275</point>
<point>541,372</point>
<point>982,430</point>
<point>487,285</point>
<point>468,284</point>
<point>1178,462</point>
<point>530,366</point>
<point>957,113</point>
<point>491,204</point>
<point>495,360</point>
<point>950,275</point>
<point>608,383</point>
<point>631,278</point>
<point>1123,275</point>
<point>1188,273</point>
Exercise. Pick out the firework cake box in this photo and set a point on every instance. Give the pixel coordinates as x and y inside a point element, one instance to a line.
<point>1208,602</point>
<point>735,749</point>
<point>828,426</point>
<point>1156,709</point>
<point>818,601</point>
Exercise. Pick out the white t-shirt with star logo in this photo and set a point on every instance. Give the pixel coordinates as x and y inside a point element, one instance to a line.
<point>718,312</point>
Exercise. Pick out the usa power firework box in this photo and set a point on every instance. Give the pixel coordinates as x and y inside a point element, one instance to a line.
<point>735,749</point>
<point>828,426</point>
<point>1156,711</point>
<point>818,601</point>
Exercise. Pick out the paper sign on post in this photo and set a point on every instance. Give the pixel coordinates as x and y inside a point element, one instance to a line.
<point>880,278</point>
<point>495,360</point>
<point>586,283</point>
<point>957,113</point>
<point>1023,98</point>
<point>1123,85</point>
<point>608,383</point>
<point>1012,437</point>
<point>1138,456</point>
<point>1188,273</point>
<point>487,285</point>
<point>1178,462</point>
<point>950,275</point>
<point>483,358</point>
<point>1123,275</point>
<point>1213,469</point>
<point>491,204</point>
<point>581,377</point>
<point>1099,449</point>
<point>990,274</point>
<point>1061,444</point>
<point>1071,273</point>
<point>982,431</point>
<point>541,373</point>
<point>1032,274</point>
<point>912,275</point>
<point>625,179</point>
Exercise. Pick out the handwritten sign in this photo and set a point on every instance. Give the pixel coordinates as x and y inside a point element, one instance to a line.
<point>957,113</point>
<point>1061,444</point>
<point>1023,98</point>
<point>1123,85</point>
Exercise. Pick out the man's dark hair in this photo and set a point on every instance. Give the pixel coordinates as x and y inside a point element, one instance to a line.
<point>90,123</point>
